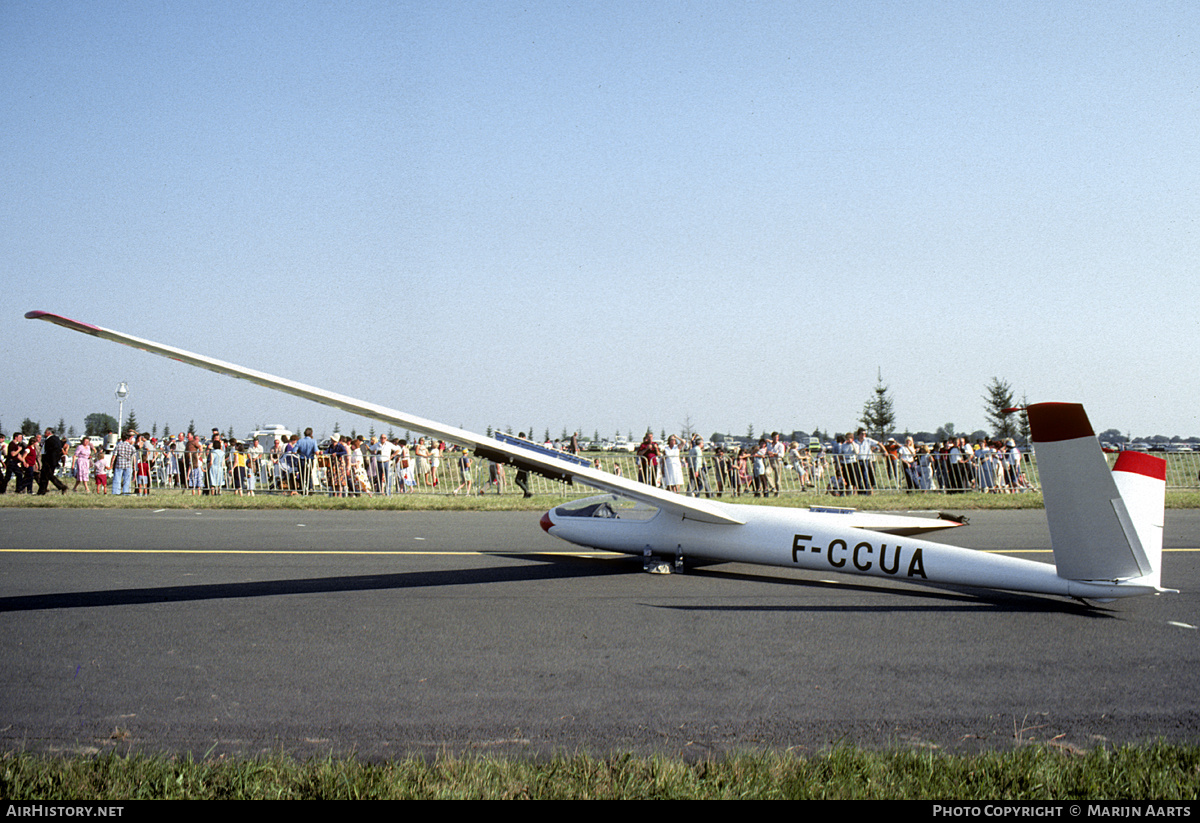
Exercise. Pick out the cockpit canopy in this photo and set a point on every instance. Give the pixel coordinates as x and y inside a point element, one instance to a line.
<point>608,506</point>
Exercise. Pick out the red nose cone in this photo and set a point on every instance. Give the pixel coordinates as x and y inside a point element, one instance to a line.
<point>546,522</point>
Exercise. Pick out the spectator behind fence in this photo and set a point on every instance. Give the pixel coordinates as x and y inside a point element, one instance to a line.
<point>672,467</point>
<point>306,451</point>
<point>647,460</point>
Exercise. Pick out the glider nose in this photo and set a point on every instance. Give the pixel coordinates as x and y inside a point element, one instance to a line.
<point>546,522</point>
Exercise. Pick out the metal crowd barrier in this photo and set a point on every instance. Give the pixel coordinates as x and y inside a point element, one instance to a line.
<point>447,473</point>
<point>835,475</point>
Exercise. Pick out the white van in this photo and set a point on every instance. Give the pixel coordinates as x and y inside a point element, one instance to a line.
<point>267,436</point>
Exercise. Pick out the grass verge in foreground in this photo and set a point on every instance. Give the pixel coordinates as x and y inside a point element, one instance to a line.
<point>1179,499</point>
<point>1159,772</point>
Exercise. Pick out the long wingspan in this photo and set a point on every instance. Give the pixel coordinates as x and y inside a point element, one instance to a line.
<point>490,448</point>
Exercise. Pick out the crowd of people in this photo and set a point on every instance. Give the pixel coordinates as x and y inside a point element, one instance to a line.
<point>855,464</point>
<point>39,458</point>
<point>851,466</point>
<point>953,466</point>
<point>134,463</point>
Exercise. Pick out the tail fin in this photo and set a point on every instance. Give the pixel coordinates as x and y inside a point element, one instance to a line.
<point>1104,525</point>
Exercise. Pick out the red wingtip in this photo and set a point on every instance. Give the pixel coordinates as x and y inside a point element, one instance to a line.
<point>65,322</point>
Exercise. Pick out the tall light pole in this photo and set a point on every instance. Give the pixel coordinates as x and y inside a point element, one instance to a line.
<point>122,393</point>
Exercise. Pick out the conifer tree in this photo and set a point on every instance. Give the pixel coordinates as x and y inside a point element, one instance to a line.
<point>998,398</point>
<point>878,418</point>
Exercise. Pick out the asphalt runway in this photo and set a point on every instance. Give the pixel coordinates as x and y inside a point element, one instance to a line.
<point>385,634</point>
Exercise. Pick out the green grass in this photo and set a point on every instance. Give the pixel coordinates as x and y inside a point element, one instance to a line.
<point>1159,772</point>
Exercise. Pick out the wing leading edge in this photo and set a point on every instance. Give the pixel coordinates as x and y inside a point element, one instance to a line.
<point>486,447</point>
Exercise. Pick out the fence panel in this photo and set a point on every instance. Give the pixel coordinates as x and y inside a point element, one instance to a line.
<point>727,474</point>
<point>732,475</point>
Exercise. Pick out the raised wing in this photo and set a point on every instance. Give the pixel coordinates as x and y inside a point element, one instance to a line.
<point>512,451</point>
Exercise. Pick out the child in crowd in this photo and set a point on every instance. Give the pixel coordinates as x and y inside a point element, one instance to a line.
<point>103,463</point>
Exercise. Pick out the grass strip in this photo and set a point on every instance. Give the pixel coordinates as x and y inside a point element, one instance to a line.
<point>1157,771</point>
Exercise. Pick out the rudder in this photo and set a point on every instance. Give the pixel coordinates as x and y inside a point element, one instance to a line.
<point>1142,481</point>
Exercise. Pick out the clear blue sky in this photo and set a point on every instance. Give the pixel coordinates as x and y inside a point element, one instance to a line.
<point>604,215</point>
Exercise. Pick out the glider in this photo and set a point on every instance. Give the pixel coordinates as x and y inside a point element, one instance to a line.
<point>1105,526</point>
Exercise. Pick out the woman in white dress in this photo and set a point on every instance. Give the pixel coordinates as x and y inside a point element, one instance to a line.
<point>672,466</point>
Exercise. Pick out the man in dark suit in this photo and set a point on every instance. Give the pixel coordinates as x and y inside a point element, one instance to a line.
<point>52,455</point>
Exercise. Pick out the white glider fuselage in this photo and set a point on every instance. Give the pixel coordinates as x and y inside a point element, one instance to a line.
<point>817,541</point>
